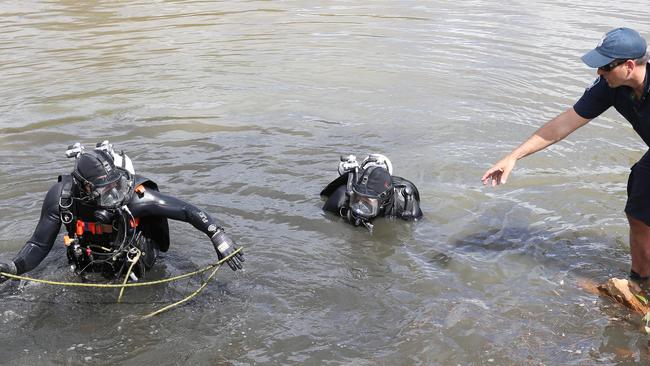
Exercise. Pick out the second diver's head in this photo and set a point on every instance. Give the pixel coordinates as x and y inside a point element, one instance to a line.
<point>371,193</point>
<point>100,182</point>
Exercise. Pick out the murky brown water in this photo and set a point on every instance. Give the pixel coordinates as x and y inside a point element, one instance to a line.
<point>243,108</point>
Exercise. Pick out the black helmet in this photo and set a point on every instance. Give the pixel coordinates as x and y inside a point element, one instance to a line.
<point>371,192</point>
<point>99,179</point>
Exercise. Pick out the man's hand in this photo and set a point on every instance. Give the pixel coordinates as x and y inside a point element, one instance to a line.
<point>7,267</point>
<point>225,247</point>
<point>500,172</point>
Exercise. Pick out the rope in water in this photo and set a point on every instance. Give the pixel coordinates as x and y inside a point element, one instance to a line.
<point>124,285</point>
<point>128,273</point>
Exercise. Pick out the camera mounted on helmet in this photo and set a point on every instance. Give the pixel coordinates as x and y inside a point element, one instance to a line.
<point>74,150</point>
<point>349,163</point>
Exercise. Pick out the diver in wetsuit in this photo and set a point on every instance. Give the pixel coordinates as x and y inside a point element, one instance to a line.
<point>365,191</point>
<point>112,217</point>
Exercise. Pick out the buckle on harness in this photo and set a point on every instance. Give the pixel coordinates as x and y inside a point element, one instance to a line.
<point>65,213</point>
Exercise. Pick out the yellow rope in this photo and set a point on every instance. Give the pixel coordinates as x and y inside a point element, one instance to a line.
<point>122,286</point>
<point>185,299</point>
<point>117,285</point>
<point>128,273</point>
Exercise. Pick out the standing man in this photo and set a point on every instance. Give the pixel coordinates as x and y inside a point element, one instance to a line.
<point>621,60</point>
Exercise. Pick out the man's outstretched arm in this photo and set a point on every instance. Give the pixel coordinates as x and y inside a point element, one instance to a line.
<point>553,131</point>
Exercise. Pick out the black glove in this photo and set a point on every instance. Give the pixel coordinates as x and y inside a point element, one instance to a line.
<point>7,267</point>
<point>225,247</point>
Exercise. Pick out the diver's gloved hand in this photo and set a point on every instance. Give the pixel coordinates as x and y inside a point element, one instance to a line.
<point>7,267</point>
<point>225,247</point>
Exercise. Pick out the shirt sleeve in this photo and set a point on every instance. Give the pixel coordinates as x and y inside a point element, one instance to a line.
<point>598,97</point>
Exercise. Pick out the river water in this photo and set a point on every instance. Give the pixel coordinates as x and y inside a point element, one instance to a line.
<point>243,108</point>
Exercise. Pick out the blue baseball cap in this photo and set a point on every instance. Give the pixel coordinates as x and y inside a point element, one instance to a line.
<point>619,43</point>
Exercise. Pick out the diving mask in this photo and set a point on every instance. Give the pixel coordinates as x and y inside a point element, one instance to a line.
<point>112,194</point>
<point>364,206</point>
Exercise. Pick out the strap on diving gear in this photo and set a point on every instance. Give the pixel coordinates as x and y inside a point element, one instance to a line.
<point>123,156</point>
<point>66,200</point>
<point>407,198</point>
<point>95,228</point>
<point>407,211</point>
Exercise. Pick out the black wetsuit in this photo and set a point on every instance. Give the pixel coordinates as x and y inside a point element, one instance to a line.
<point>151,207</point>
<point>404,202</point>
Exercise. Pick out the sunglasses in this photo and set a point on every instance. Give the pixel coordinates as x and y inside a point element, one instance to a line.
<point>610,66</point>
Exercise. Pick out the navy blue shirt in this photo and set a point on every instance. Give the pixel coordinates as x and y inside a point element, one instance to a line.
<point>599,97</point>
